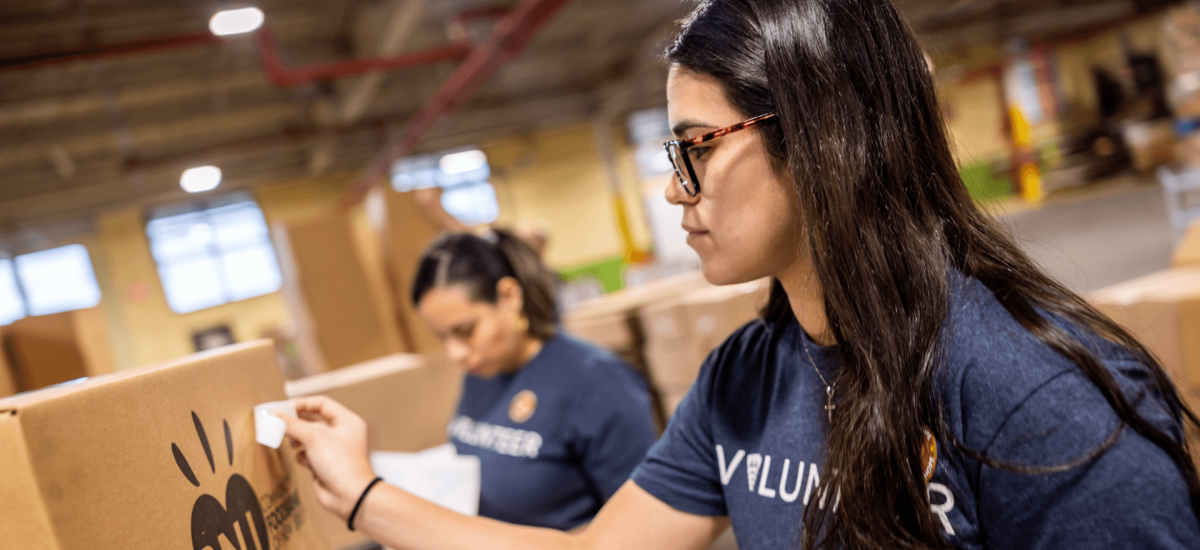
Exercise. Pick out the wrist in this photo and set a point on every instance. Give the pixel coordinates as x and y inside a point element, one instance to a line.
<point>351,490</point>
<point>357,510</point>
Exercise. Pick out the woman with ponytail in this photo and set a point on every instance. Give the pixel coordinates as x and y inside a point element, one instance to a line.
<point>558,424</point>
<point>915,382</point>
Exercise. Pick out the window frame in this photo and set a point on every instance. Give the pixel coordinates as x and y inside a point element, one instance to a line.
<point>213,251</point>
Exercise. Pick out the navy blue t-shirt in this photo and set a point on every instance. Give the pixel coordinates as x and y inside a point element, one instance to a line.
<point>748,441</point>
<point>557,438</point>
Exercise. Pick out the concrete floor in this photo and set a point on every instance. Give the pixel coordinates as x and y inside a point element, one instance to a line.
<point>1097,236</point>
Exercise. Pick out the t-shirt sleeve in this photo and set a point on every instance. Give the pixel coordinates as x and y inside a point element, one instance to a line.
<point>1132,496</point>
<point>680,469</point>
<point>614,429</point>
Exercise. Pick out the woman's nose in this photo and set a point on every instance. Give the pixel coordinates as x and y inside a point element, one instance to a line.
<point>457,351</point>
<point>676,195</point>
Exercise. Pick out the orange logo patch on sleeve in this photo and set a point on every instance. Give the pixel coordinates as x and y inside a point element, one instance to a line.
<point>522,406</point>
<point>928,455</point>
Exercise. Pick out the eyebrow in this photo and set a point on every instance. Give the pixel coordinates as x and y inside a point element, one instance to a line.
<point>686,125</point>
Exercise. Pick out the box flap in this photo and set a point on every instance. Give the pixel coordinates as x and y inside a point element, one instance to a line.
<point>1188,251</point>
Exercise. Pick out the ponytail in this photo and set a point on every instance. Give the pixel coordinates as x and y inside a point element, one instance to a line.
<point>479,263</point>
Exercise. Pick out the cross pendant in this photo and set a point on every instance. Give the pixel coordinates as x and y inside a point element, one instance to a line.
<point>829,403</point>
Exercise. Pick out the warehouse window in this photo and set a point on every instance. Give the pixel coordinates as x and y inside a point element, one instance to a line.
<point>213,252</point>
<point>49,281</point>
<point>462,174</point>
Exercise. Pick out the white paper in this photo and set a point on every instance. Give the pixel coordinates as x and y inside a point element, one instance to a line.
<point>439,475</point>
<point>268,428</point>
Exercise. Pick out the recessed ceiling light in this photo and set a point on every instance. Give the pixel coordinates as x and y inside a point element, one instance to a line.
<point>200,179</point>
<point>239,21</point>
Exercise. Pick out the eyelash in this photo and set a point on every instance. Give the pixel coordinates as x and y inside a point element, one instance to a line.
<point>465,333</point>
<point>697,152</point>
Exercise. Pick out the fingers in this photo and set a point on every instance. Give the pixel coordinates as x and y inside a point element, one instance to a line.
<point>299,430</point>
<point>320,407</point>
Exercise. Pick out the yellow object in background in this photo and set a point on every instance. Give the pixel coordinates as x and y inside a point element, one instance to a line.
<point>1022,135</point>
<point>1031,183</point>
<point>1029,177</point>
<point>629,249</point>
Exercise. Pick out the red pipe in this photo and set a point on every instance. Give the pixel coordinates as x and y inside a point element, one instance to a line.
<point>281,75</point>
<point>512,33</point>
<point>113,50</point>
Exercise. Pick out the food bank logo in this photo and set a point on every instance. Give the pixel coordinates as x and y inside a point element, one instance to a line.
<point>211,519</point>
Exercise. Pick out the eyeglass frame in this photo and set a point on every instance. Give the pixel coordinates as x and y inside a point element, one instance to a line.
<point>682,145</point>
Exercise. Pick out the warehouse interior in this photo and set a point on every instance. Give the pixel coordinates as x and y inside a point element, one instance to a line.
<point>167,191</point>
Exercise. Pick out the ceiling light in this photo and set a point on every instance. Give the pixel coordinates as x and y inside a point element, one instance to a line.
<point>239,21</point>
<point>466,161</point>
<point>200,179</point>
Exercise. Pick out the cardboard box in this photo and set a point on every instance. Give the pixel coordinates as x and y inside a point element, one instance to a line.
<point>8,384</point>
<point>1162,310</point>
<point>681,332</point>
<point>51,349</point>
<point>673,367</point>
<point>405,230</point>
<point>327,289</point>
<point>160,457</point>
<point>613,321</point>
<point>1188,251</point>
<point>672,397</point>
<point>1151,143</point>
<point>407,401</point>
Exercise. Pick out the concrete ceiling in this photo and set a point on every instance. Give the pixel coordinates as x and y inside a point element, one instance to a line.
<point>81,136</point>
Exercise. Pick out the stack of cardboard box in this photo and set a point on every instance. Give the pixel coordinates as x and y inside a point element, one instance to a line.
<point>51,349</point>
<point>613,321</point>
<point>667,327</point>
<point>681,332</point>
<point>161,457</point>
<point>341,318</point>
<point>402,231</point>
<point>1162,310</point>
<point>8,384</point>
<point>1188,251</point>
<point>407,401</point>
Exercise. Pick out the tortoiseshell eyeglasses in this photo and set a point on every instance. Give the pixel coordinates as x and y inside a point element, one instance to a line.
<point>677,152</point>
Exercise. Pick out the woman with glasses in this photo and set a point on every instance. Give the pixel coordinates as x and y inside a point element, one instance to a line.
<point>915,380</point>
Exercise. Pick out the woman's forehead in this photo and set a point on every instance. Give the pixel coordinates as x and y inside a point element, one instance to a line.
<point>697,99</point>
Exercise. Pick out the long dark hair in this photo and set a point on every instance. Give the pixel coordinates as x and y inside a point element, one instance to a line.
<point>479,263</point>
<point>860,134</point>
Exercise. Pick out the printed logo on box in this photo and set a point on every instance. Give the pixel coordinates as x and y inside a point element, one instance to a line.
<point>213,521</point>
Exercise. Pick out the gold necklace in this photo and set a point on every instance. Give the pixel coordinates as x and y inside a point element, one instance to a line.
<point>828,388</point>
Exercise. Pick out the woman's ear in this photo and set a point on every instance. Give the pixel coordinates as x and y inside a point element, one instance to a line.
<point>509,295</point>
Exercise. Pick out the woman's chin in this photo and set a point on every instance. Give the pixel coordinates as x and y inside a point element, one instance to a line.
<point>720,274</point>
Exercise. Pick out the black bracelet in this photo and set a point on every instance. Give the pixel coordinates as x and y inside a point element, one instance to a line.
<point>354,512</point>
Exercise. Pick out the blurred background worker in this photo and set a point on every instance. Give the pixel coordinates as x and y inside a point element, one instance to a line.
<point>558,424</point>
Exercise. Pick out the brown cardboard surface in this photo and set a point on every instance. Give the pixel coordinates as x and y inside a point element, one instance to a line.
<point>673,366</point>
<point>405,230</point>
<point>1188,251</point>
<point>1162,310</point>
<point>8,383</point>
<point>406,400</point>
<point>682,331</point>
<point>326,285</point>
<point>672,397</point>
<point>91,333</point>
<point>153,458</point>
<point>45,351</point>
<point>605,321</point>
<point>51,349</point>
<point>610,330</point>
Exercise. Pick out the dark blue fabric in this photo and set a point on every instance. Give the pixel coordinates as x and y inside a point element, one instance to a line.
<point>748,441</point>
<point>591,427</point>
